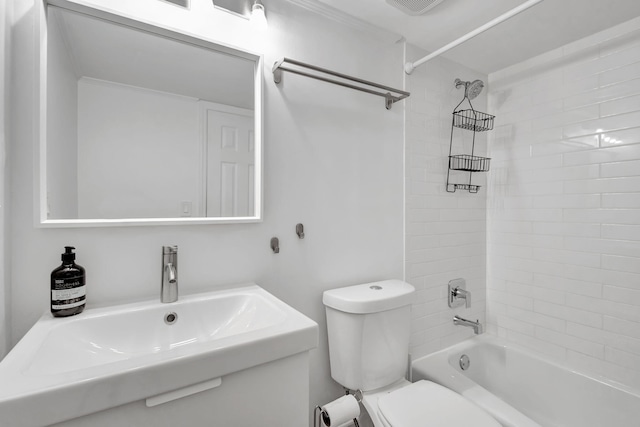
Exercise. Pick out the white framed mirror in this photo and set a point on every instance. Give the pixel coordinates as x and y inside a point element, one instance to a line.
<point>142,125</point>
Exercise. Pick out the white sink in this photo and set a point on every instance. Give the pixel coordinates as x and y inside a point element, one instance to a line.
<point>134,331</point>
<point>104,357</point>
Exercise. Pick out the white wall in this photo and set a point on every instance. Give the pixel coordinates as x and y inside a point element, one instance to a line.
<point>148,164</point>
<point>564,206</point>
<point>445,232</point>
<point>4,97</point>
<point>333,161</point>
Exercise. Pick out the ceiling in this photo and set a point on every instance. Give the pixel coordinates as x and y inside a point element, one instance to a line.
<point>542,28</point>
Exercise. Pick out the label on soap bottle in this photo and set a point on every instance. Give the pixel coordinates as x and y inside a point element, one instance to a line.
<point>69,292</point>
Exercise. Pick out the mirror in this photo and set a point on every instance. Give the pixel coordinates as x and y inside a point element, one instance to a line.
<point>145,125</point>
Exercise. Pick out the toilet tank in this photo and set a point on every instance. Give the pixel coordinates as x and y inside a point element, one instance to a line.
<point>368,329</point>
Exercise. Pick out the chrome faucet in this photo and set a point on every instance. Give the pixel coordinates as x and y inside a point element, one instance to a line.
<point>477,326</point>
<point>169,286</point>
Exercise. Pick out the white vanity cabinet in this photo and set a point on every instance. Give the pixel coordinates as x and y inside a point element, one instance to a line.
<point>272,394</point>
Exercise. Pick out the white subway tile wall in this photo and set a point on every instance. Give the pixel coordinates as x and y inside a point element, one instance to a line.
<point>445,232</point>
<point>563,207</point>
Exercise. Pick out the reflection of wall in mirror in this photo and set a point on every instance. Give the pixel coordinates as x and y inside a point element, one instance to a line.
<point>62,101</point>
<point>138,152</point>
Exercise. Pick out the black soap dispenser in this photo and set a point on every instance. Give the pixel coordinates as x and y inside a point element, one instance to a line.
<point>68,289</point>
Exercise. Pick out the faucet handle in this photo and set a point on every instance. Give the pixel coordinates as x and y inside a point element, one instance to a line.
<point>169,250</point>
<point>461,293</point>
<point>457,292</point>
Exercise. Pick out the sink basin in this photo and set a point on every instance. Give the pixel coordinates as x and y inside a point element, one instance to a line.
<point>98,338</point>
<point>110,356</point>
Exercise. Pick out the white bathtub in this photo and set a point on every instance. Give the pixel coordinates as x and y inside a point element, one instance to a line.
<point>521,389</point>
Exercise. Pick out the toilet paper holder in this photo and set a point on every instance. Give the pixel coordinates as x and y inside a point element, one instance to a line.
<point>321,417</point>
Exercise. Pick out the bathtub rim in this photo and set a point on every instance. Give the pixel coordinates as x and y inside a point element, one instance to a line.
<point>504,343</point>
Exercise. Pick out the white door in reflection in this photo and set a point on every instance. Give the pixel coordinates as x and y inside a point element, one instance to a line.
<point>230,160</point>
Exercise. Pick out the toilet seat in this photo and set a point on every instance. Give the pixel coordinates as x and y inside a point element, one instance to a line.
<point>425,403</point>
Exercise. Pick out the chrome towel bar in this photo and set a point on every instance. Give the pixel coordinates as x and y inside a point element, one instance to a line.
<point>389,94</point>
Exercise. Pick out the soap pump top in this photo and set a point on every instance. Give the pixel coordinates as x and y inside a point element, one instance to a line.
<point>68,257</point>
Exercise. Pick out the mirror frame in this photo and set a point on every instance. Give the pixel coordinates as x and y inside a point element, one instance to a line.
<point>40,161</point>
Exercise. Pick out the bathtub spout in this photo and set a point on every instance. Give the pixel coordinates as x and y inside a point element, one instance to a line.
<point>477,326</point>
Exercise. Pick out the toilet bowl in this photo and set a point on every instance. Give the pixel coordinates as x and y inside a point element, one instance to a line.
<point>368,330</point>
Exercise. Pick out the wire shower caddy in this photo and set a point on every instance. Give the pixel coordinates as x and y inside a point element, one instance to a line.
<point>474,121</point>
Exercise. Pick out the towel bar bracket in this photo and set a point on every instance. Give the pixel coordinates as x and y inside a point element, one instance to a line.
<point>277,75</point>
<point>389,100</point>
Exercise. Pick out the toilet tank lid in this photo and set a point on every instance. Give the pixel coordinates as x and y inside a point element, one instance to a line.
<point>370,297</point>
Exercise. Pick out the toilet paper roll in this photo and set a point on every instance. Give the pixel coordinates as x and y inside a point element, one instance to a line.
<point>340,411</point>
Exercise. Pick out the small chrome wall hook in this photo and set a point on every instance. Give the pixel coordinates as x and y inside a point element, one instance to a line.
<point>300,230</point>
<point>275,245</point>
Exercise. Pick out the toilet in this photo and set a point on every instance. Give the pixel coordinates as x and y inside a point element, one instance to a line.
<point>368,328</point>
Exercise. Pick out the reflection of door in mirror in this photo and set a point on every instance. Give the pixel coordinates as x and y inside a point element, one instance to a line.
<point>229,144</point>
